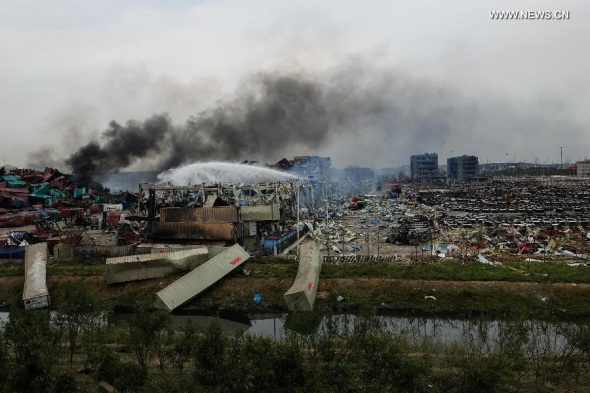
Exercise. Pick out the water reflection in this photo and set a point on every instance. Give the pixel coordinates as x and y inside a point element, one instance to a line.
<point>538,337</point>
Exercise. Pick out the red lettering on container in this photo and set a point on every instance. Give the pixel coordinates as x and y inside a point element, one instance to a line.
<point>238,259</point>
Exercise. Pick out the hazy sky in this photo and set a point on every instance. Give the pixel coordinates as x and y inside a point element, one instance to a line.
<point>517,87</point>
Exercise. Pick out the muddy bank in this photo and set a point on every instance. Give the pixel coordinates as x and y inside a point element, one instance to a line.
<point>360,293</point>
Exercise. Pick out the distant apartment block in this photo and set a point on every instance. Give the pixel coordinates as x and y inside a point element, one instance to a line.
<point>313,167</point>
<point>462,169</point>
<point>583,168</point>
<point>357,174</point>
<point>424,167</point>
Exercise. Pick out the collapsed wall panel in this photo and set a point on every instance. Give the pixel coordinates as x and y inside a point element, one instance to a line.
<point>156,248</point>
<point>195,282</point>
<point>35,294</point>
<point>260,212</point>
<point>68,252</point>
<point>193,231</point>
<point>301,295</point>
<point>146,266</point>
<point>204,215</point>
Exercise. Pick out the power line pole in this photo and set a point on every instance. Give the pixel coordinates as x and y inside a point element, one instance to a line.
<point>561,154</point>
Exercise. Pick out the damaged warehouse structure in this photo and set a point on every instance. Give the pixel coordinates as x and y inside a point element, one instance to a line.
<point>258,217</point>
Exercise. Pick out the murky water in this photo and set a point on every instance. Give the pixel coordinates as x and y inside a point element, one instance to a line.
<point>489,334</point>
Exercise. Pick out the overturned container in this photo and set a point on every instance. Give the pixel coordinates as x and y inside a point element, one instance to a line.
<point>301,295</point>
<point>195,282</point>
<point>146,266</point>
<point>35,294</point>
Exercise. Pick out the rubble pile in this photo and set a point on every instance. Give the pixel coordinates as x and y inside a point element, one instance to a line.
<point>549,217</point>
<point>48,205</point>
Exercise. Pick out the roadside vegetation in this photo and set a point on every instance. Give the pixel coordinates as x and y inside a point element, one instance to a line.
<point>515,271</point>
<point>543,272</point>
<point>74,348</point>
<point>534,287</point>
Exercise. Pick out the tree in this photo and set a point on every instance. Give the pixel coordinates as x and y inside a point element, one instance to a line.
<point>79,313</point>
<point>34,347</point>
<point>182,346</point>
<point>147,332</point>
<point>209,355</point>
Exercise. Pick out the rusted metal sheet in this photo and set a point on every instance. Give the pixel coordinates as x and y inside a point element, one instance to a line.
<point>301,296</point>
<point>68,252</point>
<point>193,230</point>
<point>146,266</point>
<point>195,282</point>
<point>202,214</point>
<point>35,294</point>
<point>260,212</point>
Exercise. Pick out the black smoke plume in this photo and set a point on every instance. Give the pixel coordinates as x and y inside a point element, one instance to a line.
<point>123,145</point>
<point>356,112</point>
<point>278,112</point>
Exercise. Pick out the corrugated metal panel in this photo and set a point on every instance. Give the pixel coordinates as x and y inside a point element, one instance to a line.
<point>260,212</point>
<point>146,266</point>
<point>68,252</point>
<point>35,271</point>
<point>215,251</point>
<point>156,248</point>
<point>201,214</point>
<point>195,282</point>
<point>302,294</point>
<point>169,255</point>
<point>134,271</point>
<point>193,230</point>
<point>63,252</point>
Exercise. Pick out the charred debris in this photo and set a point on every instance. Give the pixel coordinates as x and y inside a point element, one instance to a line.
<point>547,217</point>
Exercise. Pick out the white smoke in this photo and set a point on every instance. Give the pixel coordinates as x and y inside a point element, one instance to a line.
<point>208,172</point>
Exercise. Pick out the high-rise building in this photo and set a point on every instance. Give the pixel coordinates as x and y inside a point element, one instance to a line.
<point>462,169</point>
<point>583,168</point>
<point>424,166</point>
<point>312,167</point>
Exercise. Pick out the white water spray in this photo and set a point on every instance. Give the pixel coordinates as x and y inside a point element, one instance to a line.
<point>209,172</point>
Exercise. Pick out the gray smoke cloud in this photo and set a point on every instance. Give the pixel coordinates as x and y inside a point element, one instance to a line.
<point>355,111</point>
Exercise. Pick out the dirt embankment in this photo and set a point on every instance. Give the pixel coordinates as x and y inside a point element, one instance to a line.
<point>382,293</point>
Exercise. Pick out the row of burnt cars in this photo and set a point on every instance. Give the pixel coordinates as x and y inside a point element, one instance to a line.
<point>469,221</point>
<point>540,202</point>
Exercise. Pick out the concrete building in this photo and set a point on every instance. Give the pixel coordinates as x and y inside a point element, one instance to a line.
<point>583,168</point>
<point>424,167</point>
<point>356,173</point>
<point>462,169</point>
<point>312,167</point>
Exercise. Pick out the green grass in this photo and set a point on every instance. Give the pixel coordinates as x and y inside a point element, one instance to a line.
<point>542,272</point>
<point>455,271</point>
<point>76,270</point>
<point>11,271</point>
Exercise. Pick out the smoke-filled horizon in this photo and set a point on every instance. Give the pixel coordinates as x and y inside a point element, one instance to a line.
<point>377,83</point>
<point>352,113</point>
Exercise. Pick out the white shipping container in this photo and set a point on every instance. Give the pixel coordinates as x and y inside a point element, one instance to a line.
<point>195,282</point>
